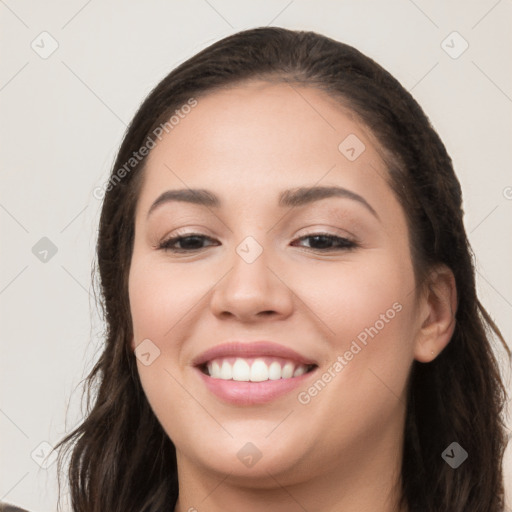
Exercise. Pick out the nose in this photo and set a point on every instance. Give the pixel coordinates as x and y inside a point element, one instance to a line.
<point>252,291</point>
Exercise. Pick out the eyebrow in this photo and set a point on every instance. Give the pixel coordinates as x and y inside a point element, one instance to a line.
<point>287,198</point>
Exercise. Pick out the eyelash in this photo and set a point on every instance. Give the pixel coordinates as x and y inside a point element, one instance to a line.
<point>346,244</point>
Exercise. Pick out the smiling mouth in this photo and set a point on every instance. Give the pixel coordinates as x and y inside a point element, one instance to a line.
<point>254,369</point>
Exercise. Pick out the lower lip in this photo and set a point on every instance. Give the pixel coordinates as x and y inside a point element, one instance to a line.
<point>252,393</point>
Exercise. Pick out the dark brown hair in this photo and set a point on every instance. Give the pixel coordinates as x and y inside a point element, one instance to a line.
<point>121,458</point>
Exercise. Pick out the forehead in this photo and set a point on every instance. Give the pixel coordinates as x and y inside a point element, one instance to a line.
<point>251,140</point>
<point>261,120</point>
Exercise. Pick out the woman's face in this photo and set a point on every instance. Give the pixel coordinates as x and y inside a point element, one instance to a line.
<point>258,267</point>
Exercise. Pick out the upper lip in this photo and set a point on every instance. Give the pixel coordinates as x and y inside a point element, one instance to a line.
<point>251,349</point>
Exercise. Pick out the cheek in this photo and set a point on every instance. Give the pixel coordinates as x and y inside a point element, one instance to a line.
<point>161,302</point>
<point>161,297</point>
<point>367,310</point>
<point>354,296</point>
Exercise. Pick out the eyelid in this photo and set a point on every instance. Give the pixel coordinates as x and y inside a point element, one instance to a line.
<point>323,228</point>
<point>313,229</point>
<point>189,231</point>
<point>179,235</point>
<point>327,230</point>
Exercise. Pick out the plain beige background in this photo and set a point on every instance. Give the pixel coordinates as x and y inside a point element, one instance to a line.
<point>63,115</point>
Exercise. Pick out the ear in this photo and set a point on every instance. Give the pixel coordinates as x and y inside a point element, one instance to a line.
<point>438,305</point>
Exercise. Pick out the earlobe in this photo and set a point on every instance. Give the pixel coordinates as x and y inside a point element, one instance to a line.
<point>438,321</point>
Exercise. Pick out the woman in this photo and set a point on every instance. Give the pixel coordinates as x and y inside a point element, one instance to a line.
<point>289,293</point>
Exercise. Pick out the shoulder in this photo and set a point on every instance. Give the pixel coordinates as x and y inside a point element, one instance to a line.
<point>6,507</point>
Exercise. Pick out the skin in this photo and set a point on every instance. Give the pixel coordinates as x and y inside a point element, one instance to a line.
<point>342,450</point>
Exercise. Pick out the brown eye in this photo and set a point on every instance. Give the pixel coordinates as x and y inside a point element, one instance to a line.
<point>188,243</point>
<point>327,242</point>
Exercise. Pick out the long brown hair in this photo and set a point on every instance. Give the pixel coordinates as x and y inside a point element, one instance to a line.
<point>121,458</point>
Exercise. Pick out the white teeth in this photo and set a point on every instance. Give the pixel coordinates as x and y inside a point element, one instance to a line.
<point>254,370</point>
<point>259,371</point>
<point>274,371</point>
<point>226,371</point>
<point>241,370</point>
<point>288,371</point>
<point>299,371</point>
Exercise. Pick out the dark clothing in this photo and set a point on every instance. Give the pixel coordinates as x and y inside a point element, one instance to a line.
<point>6,507</point>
